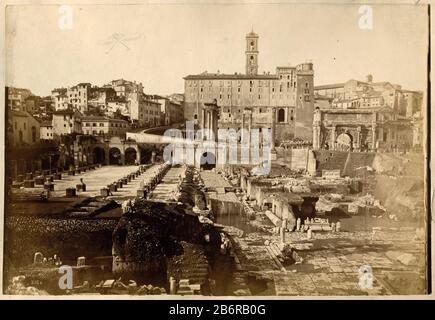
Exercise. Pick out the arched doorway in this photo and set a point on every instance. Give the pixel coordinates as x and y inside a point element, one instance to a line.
<point>131,156</point>
<point>99,155</point>
<point>281,115</point>
<point>145,154</point>
<point>208,161</point>
<point>344,142</point>
<point>115,156</point>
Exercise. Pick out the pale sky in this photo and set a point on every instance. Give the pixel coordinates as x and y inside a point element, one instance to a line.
<point>168,42</point>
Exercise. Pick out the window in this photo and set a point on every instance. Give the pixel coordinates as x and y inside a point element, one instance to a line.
<point>25,126</point>
<point>259,97</point>
<point>238,89</point>
<point>281,115</point>
<point>94,124</point>
<point>101,124</point>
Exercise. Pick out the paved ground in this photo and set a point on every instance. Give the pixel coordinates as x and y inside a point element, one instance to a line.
<point>213,180</point>
<point>99,178</point>
<point>166,189</point>
<point>332,261</point>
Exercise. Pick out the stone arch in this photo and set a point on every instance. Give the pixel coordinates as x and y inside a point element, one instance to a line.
<point>344,142</point>
<point>99,155</point>
<point>115,156</point>
<point>131,156</point>
<point>280,115</point>
<point>208,161</point>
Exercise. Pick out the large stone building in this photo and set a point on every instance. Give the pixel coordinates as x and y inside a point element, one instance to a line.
<point>366,116</point>
<point>369,94</point>
<point>285,98</point>
<point>124,87</point>
<point>16,98</point>
<point>66,122</point>
<point>144,109</point>
<point>104,126</point>
<point>23,129</point>
<point>76,96</point>
<point>59,98</point>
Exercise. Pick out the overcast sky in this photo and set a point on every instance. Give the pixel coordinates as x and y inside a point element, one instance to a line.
<point>164,43</point>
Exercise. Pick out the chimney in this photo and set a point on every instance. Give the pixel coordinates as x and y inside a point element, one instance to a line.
<point>369,78</point>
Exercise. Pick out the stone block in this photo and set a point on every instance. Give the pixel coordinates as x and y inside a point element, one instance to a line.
<point>104,192</point>
<point>70,192</point>
<point>39,180</point>
<point>49,186</point>
<point>29,183</point>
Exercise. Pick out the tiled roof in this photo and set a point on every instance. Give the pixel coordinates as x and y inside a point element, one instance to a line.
<point>46,124</point>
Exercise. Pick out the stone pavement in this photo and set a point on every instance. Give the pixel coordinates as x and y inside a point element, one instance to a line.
<point>99,178</point>
<point>213,180</point>
<point>166,189</point>
<point>332,262</point>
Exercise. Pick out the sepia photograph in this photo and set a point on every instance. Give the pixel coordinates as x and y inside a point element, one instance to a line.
<point>212,149</point>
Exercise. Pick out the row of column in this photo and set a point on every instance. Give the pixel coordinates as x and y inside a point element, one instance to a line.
<point>209,121</point>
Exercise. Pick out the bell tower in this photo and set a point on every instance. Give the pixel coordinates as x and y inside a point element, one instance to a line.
<point>251,53</point>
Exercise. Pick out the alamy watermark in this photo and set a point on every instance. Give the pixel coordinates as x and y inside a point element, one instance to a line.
<point>225,146</point>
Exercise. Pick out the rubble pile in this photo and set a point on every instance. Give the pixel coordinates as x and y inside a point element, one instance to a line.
<point>297,186</point>
<point>150,232</point>
<point>338,203</point>
<point>19,286</point>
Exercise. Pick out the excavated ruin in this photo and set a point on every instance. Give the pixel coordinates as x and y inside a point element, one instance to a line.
<point>149,233</point>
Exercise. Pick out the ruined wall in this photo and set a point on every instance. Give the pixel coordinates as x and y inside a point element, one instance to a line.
<point>346,162</point>
<point>357,160</point>
<point>330,160</point>
<point>295,159</point>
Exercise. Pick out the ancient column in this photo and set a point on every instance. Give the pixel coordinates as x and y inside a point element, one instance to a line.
<point>272,131</point>
<point>210,123</point>
<point>333,137</point>
<point>242,127</point>
<point>316,137</point>
<point>358,139</point>
<point>249,128</point>
<point>373,137</point>
<point>203,119</point>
